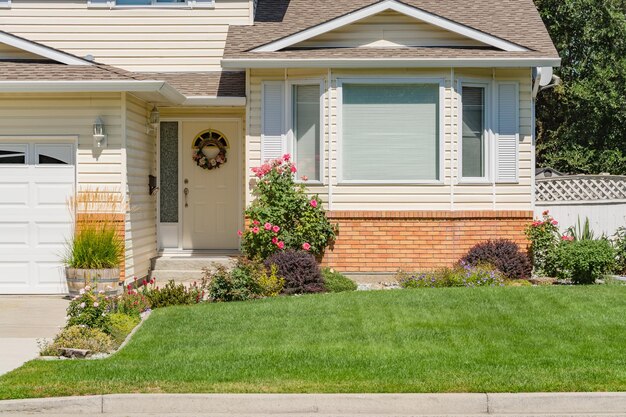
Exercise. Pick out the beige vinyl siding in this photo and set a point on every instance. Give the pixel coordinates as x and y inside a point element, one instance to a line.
<point>136,39</point>
<point>10,52</point>
<point>450,195</point>
<point>141,233</point>
<point>388,28</point>
<point>66,115</point>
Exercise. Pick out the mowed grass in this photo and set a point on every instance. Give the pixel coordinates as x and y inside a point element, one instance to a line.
<point>429,340</point>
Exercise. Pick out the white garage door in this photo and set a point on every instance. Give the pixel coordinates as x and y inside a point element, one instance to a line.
<point>36,180</point>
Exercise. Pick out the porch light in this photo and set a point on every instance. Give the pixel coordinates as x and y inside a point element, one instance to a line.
<point>99,135</point>
<point>153,120</point>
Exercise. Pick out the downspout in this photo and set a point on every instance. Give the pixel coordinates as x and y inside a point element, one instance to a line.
<point>533,165</point>
<point>494,113</point>
<point>453,134</point>
<point>287,148</point>
<point>329,136</point>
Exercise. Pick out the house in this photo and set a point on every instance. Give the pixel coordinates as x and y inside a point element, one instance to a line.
<point>413,121</point>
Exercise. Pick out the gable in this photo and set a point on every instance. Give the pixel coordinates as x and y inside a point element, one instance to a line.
<point>401,8</point>
<point>8,52</point>
<point>389,29</point>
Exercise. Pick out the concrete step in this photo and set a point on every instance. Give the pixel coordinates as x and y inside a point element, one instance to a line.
<point>190,263</point>
<point>162,276</point>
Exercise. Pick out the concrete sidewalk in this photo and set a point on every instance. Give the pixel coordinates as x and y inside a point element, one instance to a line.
<point>23,320</point>
<point>322,405</point>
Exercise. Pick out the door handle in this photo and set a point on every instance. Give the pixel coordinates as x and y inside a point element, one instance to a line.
<point>186,191</point>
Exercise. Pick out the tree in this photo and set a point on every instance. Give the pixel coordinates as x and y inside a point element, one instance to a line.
<point>581,124</point>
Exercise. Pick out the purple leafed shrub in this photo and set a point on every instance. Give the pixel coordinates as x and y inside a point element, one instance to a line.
<point>504,255</point>
<point>299,269</point>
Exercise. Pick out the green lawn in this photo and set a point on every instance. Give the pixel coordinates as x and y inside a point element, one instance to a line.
<point>429,340</point>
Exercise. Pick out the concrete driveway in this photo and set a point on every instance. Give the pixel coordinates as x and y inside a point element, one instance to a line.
<point>23,320</point>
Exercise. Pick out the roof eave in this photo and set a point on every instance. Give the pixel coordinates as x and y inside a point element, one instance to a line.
<point>242,63</point>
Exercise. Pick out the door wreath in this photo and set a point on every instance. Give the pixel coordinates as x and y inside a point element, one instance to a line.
<point>209,149</point>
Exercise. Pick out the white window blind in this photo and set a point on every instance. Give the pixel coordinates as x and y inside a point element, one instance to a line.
<point>390,132</point>
<point>473,145</point>
<point>507,132</point>
<point>306,129</point>
<point>273,109</point>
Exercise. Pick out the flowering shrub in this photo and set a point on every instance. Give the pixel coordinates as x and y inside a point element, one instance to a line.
<point>463,275</point>
<point>619,242</point>
<point>283,216</point>
<point>90,308</point>
<point>171,294</point>
<point>247,280</point>
<point>132,302</point>
<point>79,337</point>
<point>504,255</point>
<point>544,238</point>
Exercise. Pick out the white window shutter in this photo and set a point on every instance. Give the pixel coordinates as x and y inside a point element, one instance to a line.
<point>273,108</point>
<point>507,134</point>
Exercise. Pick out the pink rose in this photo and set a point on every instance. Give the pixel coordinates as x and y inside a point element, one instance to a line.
<point>313,203</point>
<point>239,233</point>
<point>293,169</point>
<point>281,245</point>
<point>256,222</point>
<point>274,240</point>
<point>96,304</point>
<point>306,246</point>
<point>255,230</point>
<point>82,305</point>
<point>305,178</point>
<point>545,213</point>
<point>276,229</point>
<point>286,157</point>
<point>268,226</point>
<point>555,223</point>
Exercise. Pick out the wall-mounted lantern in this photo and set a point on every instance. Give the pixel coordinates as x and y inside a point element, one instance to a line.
<point>153,120</point>
<point>99,134</point>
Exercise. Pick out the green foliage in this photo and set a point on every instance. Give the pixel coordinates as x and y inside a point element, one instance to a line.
<point>95,246</point>
<point>131,302</point>
<point>337,282</point>
<point>171,294</point>
<point>581,231</point>
<point>283,216</point>
<point>121,325</point>
<point>581,124</point>
<point>544,238</point>
<point>249,279</point>
<point>90,309</point>
<point>619,242</point>
<point>270,282</point>
<point>462,275</point>
<point>584,261</point>
<point>79,337</point>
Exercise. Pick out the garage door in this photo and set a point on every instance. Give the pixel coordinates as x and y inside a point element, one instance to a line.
<point>36,179</point>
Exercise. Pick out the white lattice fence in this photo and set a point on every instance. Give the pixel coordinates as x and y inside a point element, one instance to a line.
<point>581,188</point>
<point>600,198</point>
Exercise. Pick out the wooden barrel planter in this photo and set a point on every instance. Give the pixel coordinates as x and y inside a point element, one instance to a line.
<point>106,280</point>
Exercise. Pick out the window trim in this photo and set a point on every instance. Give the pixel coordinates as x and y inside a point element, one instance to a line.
<point>66,145</point>
<point>488,132</point>
<point>289,135</point>
<point>188,4</point>
<point>391,80</point>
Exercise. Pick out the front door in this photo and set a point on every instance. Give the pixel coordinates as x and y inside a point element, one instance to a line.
<point>211,212</point>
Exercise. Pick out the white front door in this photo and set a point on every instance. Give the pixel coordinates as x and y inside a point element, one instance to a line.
<point>36,180</point>
<point>211,209</point>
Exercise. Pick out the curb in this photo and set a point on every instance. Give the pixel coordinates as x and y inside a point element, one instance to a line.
<point>328,404</point>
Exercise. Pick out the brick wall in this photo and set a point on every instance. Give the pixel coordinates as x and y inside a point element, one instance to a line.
<point>385,241</point>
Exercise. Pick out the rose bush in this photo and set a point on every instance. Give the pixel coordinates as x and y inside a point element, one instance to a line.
<point>283,216</point>
<point>544,237</point>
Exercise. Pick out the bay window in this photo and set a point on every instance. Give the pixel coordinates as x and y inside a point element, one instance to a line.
<point>306,130</point>
<point>390,132</point>
<point>473,128</point>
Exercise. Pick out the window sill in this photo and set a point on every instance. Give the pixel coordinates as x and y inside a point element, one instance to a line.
<point>474,181</point>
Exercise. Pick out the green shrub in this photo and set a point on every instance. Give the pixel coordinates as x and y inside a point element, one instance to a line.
<point>172,294</point>
<point>282,215</point>
<point>300,270</point>
<point>79,337</point>
<point>619,242</point>
<point>247,280</point>
<point>336,282</point>
<point>584,261</point>
<point>544,239</point>
<point>270,282</point>
<point>90,309</point>
<point>122,325</point>
<point>462,275</point>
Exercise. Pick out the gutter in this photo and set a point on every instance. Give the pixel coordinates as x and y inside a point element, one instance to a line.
<point>215,101</point>
<point>238,63</point>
